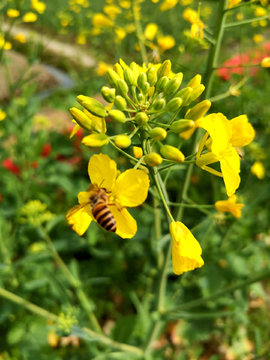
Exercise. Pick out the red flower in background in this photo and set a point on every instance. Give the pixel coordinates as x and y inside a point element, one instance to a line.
<point>9,165</point>
<point>46,150</point>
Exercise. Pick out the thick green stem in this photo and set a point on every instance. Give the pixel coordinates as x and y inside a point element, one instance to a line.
<point>139,32</point>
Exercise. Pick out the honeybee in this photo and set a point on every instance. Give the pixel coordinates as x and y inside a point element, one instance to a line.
<point>99,201</point>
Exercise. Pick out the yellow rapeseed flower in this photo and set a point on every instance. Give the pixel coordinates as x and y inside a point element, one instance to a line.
<point>39,6</point>
<point>186,2</point>
<point>30,17</point>
<point>81,39</point>
<point>230,205</point>
<point>100,20</point>
<point>165,42</point>
<point>258,169</point>
<point>260,11</point>
<point>21,38</point>
<point>13,13</point>
<point>150,31</point>
<point>197,25</point>
<point>102,68</point>
<point>3,115</point>
<point>186,251</point>
<point>167,5</point>
<point>258,38</point>
<point>125,4</point>
<point>120,34</point>
<point>265,62</point>
<point>112,11</point>
<point>233,3</point>
<point>6,45</point>
<point>128,189</point>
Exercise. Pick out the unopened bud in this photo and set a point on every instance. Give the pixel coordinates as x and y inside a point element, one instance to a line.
<point>195,81</point>
<point>137,151</point>
<point>142,78</point>
<point>158,105</point>
<point>129,77</point>
<point>180,126</point>
<point>117,116</point>
<point>158,133</point>
<point>164,69</point>
<point>122,141</point>
<point>172,153</point>
<point>112,77</point>
<point>120,103</point>
<point>198,110</point>
<point>140,97</point>
<point>108,94</point>
<point>134,67</point>
<point>184,94</point>
<point>161,84</point>
<point>82,119</point>
<point>151,91</point>
<point>151,75</point>
<point>92,105</point>
<point>174,104</point>
<point>141,118</point>
<point>153,159</point>
<point>145,88</point>
<point>95,140</point>
<point>122,87</point>
<point>171,86</point>
<point>119,70</point>
<point>179,76</point>
<point>196,92</point>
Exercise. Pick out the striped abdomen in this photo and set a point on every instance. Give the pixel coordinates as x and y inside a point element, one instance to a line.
<point>103,215</point>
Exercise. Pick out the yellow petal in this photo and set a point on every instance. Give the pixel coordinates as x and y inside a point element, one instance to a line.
<point>242,131</point>
<point>100,123</point>
<point>131,188</point>
<point>79,219</point>
<point>75,130</point>
<point>258,169</point>
<point>126,225</point>
<point>186,251</point>
<point>230,205</point>
<point>219,129</point>
<point>230,167</point>
<point>102,171</point>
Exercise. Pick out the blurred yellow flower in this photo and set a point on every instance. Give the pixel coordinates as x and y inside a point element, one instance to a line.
<point>265,62</point>
<point>186,251</point>
<point>239,16</point>
<point>21,38</point>
<point>102,68</point>
<point>150,31</point>
<point>197,25</point>
<point>230,205</point>
<point>100,20</point>
<point>258,169</point>
<point>167,5</point>
<point>30,17</point>
<point>125,4</point>
<point>13,13</point>
<point>130,28</point>
<point>64,22</point>
<point>263,23</point>
<point>6,45</point>
<point>128,189</point>
<point>257,38</point>
<point>39,6</point>
<point>186,2</point>
<point>155,1</point>
<point>112,11</point>
<point>120,34</point>
<point>233,3</point>
<point>137,152</point>
<point>260,11</point>
<point>165,42</point>
<point>3,115</point>
<point>81,39</point>
<point>95,31</point>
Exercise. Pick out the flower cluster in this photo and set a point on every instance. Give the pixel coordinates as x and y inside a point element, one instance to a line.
<point>150,105</point>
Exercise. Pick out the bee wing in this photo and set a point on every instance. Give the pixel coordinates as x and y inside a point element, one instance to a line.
<point>75,209</point>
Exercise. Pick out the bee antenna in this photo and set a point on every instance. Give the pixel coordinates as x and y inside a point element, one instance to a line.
<point>101,183</point>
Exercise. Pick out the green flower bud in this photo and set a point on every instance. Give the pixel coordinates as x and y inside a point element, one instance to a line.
<point>164,69</point>
<point>112,77</point>
<point>195,81</point>
<point>180,126</point>
<point>179,76</point>
<point>198,110</point>
<point>151,75</point>
<point>172,153</point>
<point>145,88</point>
<point>133,66</point>
<point>174,104</point>
<point>161,84</point>
<point>159,104</point>
<point>141,118</point>
<point>82,119</point>
<point>120,103</point>
<point>92,105</point>
<point>119,70</point>
<point>122,87</point>
<point>158,133</point>
<point>129,77</point>
<point>184,94</point>
<point>153,159</point>
<point>95,140</point>
<point>108,94</point>
<point>140,97</point>
<point>196,92</point>
<point>117,116</point>
<point>122,141</point>
<point>171,86</point>
<point>142,78</point>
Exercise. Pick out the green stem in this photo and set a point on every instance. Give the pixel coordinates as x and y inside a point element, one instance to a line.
<point>48,315</point>
<point>139,32</point>
<point>248,21</point>
<point>123,152</point>
<point>191,205</point>
<point>74,283</point>
<point>241,5</point>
